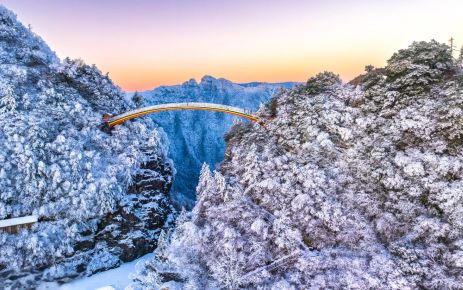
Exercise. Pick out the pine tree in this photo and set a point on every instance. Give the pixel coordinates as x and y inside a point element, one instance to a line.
<point>7,101</point>
<point>137,99</point>
<point>251,167</point>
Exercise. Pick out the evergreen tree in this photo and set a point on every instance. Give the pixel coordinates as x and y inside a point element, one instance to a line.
<point>7,101</point>
<point>137,100</point>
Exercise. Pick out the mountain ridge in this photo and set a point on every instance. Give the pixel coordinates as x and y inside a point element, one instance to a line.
<point>209,78</point>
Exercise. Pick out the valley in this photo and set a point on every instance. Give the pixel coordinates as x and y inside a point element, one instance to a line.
<point>198,137</point>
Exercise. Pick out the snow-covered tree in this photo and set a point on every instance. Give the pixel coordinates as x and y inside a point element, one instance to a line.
<point>7,101</point>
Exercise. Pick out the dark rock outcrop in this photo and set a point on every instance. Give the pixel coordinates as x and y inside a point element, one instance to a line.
<point>140,217</point>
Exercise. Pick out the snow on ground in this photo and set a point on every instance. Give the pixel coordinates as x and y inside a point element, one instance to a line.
<point>118,278</point>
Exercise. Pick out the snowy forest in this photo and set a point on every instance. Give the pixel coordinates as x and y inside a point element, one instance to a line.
<point>343,185</point>
<point>347,186</point>
<point>101,199</point>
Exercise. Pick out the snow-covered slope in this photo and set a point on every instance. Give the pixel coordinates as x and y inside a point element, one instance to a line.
<point>346,187</point>
<point>117,278</point>
<point>197,137</point>
<point>100,198</point>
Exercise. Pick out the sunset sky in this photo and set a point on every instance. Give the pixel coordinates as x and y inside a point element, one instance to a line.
<point>144,44</point>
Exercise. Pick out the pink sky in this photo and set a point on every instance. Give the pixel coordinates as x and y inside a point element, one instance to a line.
<point>144,44</point>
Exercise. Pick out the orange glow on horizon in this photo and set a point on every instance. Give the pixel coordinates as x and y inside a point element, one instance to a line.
<point>298,69</point>
<point>144,44</point>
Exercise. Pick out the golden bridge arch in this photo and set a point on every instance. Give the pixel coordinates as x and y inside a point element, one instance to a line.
<point>119,119</point>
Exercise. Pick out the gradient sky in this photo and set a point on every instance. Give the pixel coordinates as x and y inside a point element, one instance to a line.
<point>144,44</point>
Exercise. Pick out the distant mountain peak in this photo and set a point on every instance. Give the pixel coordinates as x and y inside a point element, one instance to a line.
<point>207,79</point>
<point>190,83</point>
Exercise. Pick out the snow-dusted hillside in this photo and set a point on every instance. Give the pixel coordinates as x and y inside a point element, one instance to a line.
<point>346,187</point>
<point>100,198</point>
<point>197,137</point>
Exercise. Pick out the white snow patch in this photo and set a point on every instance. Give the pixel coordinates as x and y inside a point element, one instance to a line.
<point>18,221</point>
<point>117,278</point>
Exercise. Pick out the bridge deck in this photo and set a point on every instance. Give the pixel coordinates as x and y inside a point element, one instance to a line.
<point>115,120</point>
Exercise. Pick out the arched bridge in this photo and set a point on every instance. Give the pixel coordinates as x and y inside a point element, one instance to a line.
<point>115,120</point>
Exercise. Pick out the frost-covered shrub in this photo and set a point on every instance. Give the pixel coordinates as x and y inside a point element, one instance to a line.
<point>321,83</point>
<point>88,81</point>
<point>415,69</point>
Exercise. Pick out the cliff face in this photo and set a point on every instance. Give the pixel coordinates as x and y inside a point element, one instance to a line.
<point>197,137</point>
<point>132,230</point>
<point>345,187</point>
<point>101,198</point>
